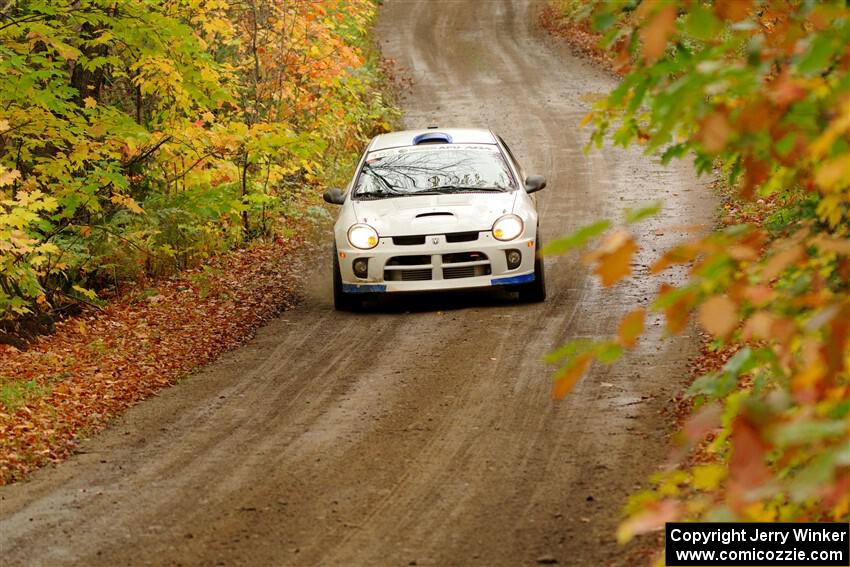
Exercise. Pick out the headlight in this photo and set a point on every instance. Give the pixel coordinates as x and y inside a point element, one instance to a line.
<point>363,236</point>
<point>507,227</point>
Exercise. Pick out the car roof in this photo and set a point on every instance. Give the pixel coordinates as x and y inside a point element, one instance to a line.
<point>404,138</point>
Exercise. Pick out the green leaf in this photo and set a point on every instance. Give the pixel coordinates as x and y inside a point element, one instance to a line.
<point>701,23</point>
<point>636,215</point>
<point>714,385</point>
<point>822,50</point>
<point>809,481</point>
<point>719,384</point>
<point>672,297</point>
<point>571,349</point>
<point>577,239</point>
<point>609,352</point>
<point>603,20</point>
<point>799,433</point>
<point>87,293</point>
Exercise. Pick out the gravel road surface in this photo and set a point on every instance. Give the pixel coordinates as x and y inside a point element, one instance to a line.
<point>422,432</point>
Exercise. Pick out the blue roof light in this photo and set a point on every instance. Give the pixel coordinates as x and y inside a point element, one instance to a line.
<point>432,137</point>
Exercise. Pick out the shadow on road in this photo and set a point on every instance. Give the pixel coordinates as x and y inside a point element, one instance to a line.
<point>443,301</point>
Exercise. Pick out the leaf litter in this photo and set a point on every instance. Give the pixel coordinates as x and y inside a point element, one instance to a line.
<point>72,383</point>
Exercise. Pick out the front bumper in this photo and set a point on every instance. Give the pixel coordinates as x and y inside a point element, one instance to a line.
<point>437,264</point>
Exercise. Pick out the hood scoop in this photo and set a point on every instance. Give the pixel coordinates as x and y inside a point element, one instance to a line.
<point>434,214</point>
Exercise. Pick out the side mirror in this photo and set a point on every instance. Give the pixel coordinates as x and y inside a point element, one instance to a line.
<point>534,183</point>
<point>334,196</point>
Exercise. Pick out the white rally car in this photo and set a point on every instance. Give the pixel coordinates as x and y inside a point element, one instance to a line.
<point>431,210</point>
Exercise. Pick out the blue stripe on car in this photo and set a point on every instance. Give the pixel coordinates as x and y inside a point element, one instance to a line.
<point>365,288</point>
<point>513,280</point>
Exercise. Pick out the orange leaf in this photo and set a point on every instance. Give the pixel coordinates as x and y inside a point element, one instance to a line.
<point>614,258</point>
<point>566,379</point>
<point>706,419</point>
<point>834,173</point>
<point>756,172</point>
<point>742,253</point>
<point>679,255</point>
<point>654,35</point>
<point>757,116</point>
<point>746,465</point>
<point>623,60</point>
<point>714,132</point>
<point>804,384</point>
<point>719,315</point>
<point>733,10</point>
<point>759,294</point>
<point>758,326</point>
<point>782,331</point>
<point>826,243</point>
<point>631,327</point>
<point>676,313</point>
<point>781,260</point>
<point>785,89</point>
<point>840,343</point>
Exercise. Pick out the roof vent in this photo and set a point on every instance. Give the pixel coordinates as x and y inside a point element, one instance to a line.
<point>432,138</point>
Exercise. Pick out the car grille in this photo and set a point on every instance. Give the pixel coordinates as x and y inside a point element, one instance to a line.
<point>462,236</point>
<point>419,267</point>
<point>417,275</point>
<point>451,237</point>
<point>460,257</point>
<point>409,240</point>
<point>465,272</point>
<point>419,259</point>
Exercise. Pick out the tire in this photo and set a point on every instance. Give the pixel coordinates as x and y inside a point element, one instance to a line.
<point>535,292</point>
<point>342,301</point>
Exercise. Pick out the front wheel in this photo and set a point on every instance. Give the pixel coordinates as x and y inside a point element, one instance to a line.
<point>535,292</point>
<point>342,301</point>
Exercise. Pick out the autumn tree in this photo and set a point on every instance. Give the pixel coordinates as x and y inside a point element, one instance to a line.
<point>137,138</point>
<point>758,95</point>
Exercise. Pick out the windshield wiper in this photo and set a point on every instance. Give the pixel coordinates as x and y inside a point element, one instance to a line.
<point>442,189</point>
<point>380,194</point>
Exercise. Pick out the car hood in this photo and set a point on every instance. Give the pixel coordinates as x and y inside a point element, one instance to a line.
<point>434,214</point>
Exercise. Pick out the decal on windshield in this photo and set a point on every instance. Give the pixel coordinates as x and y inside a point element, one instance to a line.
<point>378,154</point>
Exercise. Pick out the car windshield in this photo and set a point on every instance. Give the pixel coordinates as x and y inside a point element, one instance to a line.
<point>400,172</point>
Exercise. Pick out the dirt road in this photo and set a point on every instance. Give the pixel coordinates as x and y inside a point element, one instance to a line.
<point>422,433</point>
